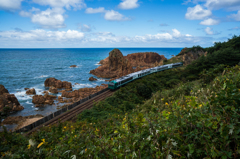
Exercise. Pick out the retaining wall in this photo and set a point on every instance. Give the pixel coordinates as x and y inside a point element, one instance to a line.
<point>51,116</point>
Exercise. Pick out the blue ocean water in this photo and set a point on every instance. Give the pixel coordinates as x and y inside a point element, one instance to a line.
<point>29,68</point>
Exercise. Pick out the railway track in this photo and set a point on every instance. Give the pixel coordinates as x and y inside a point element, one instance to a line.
<point>74,112</point>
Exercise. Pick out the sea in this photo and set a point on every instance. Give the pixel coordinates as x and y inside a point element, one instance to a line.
<point>29,68</point>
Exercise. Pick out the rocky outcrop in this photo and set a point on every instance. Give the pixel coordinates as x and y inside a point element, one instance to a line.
<point>117,65</point>
<point>3,90</point>
<point>73,66</point>
<point>92,79</point>
<point>146,59</point>
<point>17,119</point>
<point>53,90</point>
<point>40,100</point>
<point>113,67</point>
<point>31,91</point>
<point>8,100</point>
<point>188,55</point>
<point>57,83</point>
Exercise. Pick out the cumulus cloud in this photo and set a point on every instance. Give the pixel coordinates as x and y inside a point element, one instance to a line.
<point>10,5</point>
<point>197,13</point>
<point>68,4</point>
<point>50,18</point>
<point>235,16</point>
<point>112,15</point>
<point>95,10</point>
<point>209,21</point>
<point>176,33</point>
<point>85,28</point>
<point>128,4</point>
<point>209,31</point>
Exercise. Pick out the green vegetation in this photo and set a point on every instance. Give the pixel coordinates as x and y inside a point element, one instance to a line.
<point>190,112</point>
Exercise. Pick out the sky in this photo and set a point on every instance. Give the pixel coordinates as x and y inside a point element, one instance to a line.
<point>117,23</point>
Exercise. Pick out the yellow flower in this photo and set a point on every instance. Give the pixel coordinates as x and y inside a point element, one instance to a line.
<point>29,146</point>
<point>166,103</point>
<point>75,136</point>
<point>169,113</point>
<point>40,145</point>
<point>200,105</point>
<point>43,142</point>
<point>86,150</point>
<point>65,127</point>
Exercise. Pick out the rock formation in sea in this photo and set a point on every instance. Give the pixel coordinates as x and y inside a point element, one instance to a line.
<point>117,65</point>
<point>31,91</point>
<point>40,100</point>
<point>8,100</point>
<point>73,66</point>
<point>92,79</point>
<point>53,90</point>
<point>57,83</point>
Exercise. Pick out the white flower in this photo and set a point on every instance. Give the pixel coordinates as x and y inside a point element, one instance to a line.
<point>157,131</point>
<point>134,154</point>
<point>149,138</point>
<point>31,142</point>
<point>231,131</point>
<point>169,156</point>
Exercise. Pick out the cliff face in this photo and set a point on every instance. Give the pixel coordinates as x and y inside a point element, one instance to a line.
<point>117,65</point>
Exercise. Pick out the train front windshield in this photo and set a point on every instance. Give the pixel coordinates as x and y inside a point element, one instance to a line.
<point>111,84</point>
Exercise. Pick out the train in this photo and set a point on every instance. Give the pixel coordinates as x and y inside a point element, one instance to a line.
<point>114,84</point>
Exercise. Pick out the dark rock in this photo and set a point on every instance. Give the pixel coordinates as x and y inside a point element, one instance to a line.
<point>73,66</point>
<point>92,79</point>
<point>31,91</point>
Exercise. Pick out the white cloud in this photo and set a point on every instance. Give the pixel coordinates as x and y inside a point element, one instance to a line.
<point>10,5</point>
<point>209,31</point>
<point>85,28</point>
<point>218,4</point>
<point>235,16</point>
<point>128,4</point>
<point>42,35</point>
<point>197,12</point>
<point>176,33</point>
<point>50,18</point>
<point>68,4</point>
<point>112,15</point>
<point>96,10</point>
<point>209,21</point>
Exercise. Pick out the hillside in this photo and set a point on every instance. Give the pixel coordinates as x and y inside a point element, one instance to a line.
<point>186,112</point>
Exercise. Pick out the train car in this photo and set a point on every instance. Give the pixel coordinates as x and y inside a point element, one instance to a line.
<point>130,77</point>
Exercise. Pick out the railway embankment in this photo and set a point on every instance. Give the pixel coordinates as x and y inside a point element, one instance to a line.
<point>191,111</point>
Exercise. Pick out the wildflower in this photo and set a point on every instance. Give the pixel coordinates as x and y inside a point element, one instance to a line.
<point>29,146</point>
<point>86,150</point>
<point>75,136</point>
<point>169,113</point>
<point>65,127</point>
<point>162,99</point>
<point>43,142</point>
<point>200,105</point>
<point>166,103</point>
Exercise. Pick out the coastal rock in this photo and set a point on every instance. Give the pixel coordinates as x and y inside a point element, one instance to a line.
<point>53,90</point>
<point>38,99</point>
<point>92,79</point>
<point>117,65</point>
<point>46,99</point>
<point>26,88</point>
<point>73,66</point>
<point>8,100</point>
<point>17,119</point>
<point>114,66</point>
<point>187,56</point>
<point>3,90</point>
<point>57,83</point>
<point>31,91</point>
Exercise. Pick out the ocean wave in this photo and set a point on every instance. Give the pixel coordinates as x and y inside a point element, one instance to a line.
<point>101,79</point>
<point>29,102</point>
<point>22,96</point>
<point>42,76</point>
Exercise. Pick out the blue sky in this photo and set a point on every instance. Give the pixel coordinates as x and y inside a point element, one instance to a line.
<point>117,23</point>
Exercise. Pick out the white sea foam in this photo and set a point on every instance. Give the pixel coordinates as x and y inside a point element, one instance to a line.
<point>101,79</point>
<point>42,76</point>
<point>21,95</point>
<point>97,63</point>
<point>29,102</point>
<point>83,85</point>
